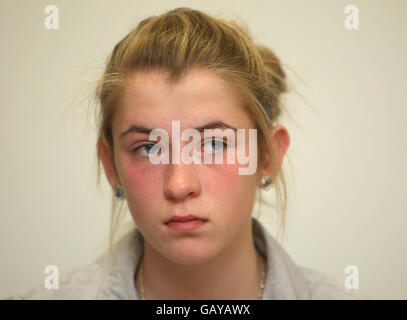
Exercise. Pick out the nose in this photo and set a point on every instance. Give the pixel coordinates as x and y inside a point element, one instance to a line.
<point>181,182</point>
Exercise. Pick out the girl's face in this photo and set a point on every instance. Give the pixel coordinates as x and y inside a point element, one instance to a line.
<point>156,192</point>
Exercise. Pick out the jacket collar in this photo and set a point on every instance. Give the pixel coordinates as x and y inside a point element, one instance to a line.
<point>284,279</point>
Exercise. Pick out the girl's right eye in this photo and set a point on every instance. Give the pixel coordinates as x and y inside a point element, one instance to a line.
<point>145,147</point>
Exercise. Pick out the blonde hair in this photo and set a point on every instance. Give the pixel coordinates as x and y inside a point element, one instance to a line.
<point>183,39</point>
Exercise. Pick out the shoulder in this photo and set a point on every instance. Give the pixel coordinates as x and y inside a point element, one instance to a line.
<point>107,277</point>
<point>81,283</point>
<point>324,287</point>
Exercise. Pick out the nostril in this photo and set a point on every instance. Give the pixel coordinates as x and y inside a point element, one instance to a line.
<point>179,192</point>
<point>182,187</point>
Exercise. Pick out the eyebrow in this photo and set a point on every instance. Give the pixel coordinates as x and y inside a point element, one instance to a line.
<point>210,125</point>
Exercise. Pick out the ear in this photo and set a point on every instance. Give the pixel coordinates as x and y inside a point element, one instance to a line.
<point>107,157</point>
<point>281,141</point>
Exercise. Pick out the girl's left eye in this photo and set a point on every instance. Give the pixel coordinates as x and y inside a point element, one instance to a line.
<point>216,144</point>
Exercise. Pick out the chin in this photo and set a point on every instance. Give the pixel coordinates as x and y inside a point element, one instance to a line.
<point>190,254</point>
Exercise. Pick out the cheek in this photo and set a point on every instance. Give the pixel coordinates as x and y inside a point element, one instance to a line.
<point>143,185</point>
<point>229,191</point>
<point>219,179</point>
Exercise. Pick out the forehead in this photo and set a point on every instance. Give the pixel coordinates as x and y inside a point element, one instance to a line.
<point>200,96</point>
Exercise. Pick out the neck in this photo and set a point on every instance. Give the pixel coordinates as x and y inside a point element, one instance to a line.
<point>232,274</point>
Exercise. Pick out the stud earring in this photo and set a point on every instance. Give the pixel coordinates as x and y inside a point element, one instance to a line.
<point>266,183</point>
<point>119,192</point>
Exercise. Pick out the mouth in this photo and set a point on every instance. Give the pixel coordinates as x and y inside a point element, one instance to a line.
<point>185,223</point>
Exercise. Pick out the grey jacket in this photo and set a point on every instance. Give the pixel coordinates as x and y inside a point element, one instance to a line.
<point>284,279</point>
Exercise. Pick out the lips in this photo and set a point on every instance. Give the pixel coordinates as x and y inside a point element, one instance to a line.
<point>186,224</point>
<point>184,218</point>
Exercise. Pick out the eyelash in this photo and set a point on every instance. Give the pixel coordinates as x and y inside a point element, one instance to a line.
<point>208,140</point>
